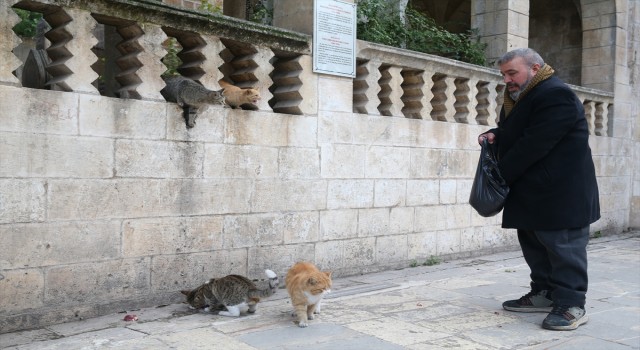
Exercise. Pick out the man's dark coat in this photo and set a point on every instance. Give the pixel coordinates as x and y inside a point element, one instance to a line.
<point>544,155</point>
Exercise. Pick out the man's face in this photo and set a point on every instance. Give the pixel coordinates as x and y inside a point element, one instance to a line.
<point>517,75</point>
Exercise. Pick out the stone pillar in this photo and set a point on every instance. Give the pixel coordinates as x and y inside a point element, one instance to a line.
<point>295,15</point>
<point>503,25</point>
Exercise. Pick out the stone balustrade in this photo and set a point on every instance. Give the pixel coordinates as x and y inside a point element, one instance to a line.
<point>389,81</point>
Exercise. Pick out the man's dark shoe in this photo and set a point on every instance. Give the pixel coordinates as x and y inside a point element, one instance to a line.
<point>530,302</point>
<point>565,318</point>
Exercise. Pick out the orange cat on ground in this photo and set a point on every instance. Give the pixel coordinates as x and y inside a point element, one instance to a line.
<point>306,286</point>
<point>235,96</point>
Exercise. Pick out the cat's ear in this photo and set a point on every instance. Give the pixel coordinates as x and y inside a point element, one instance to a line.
<point>327,273</point>
<point>185,292</point>
<point>221,91</point>
<point>248,92</point>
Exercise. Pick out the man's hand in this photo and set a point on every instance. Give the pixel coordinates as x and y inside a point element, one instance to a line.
<point>491,137</point>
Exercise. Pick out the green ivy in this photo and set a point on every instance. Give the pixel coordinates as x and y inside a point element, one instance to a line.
<point>381,22</point>
<point>27,27</point>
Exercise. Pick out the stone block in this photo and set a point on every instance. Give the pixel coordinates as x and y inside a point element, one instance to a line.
<point>39,111</point>
<point>373,222</point>
<point>89,199</point>
<point>22,201</point>
<point>58,243</point>
<point>448,191</point>
<point>279,259</point>
<point>458,216</point>
<point>108,117</point>
<point>392,249</point>
<point>187,271</point>
<point>423,192</point>
<point>158,159</point>
<point>271,129</point>
<point>299,163</point>
<point>471,239</point>
<point>349,194</point>
<point>209,126</point>
<point>401,220</point>
<point>389,193</point>
<point>335,94</point>
<point>359,252</point>
<point>494,236</point>
<point>329,255</point>
<point>448,242</point>
<point>164,236</point>
<point>342,161</point>
<point>338,224</point>
<point>288,195</point>
<point>387,162</point>
<point>463,190</point>
<point>97,281</point>
<point>299,227</point>
<point>241,231</point>
<point>40,155</point>
<point>21,289</point>
<point>422,245</point>
<point>431,218</point>
<point>232,161</point>
<point>336,127</point>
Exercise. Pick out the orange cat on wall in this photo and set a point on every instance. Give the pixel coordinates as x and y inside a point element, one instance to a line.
<point>306,286</point>
<point>236,97</point>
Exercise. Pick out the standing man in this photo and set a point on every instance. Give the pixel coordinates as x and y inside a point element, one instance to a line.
<point>543,154</point>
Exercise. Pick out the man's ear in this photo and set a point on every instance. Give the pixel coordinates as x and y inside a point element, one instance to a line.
<point>535,68</point>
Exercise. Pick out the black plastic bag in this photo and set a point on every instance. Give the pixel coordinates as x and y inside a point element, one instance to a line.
<point>489,190</point>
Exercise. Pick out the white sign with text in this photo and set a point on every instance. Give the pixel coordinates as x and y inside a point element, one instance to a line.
<point>334,38</point>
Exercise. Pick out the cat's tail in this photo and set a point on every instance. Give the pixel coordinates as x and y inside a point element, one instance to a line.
<point>274,283</point>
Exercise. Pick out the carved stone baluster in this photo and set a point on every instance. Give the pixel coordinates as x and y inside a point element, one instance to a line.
<point>261,72</point>
<point>590,115</point>
<point>150,57</point>
<point>443,98</point>
<point>414,97</point>
<point>8,61</point>
<point>294,86</point>
<point>601,119</point>
<point>493,107</point>
<point>366,88</point>
<point>465,100</point>
<point>72,38</point>
<point>390,91</point>
<point>211,51</point>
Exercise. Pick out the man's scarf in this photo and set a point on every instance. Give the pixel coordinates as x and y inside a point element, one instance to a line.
<point>544,73</point>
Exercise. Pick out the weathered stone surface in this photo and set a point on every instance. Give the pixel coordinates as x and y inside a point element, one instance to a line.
<point>102,116</point>
<point>232,161</point>
<point>158,159</point>
<point>298,163</point>
<point>58,243</point>
<point>21,289</point>
<point>87,199</point>
<point>350,194</point>
<point>22,201</point>
<point>279,259</point>
<point>338,224</point>
<point>56,156</point>
<point>97,281</point>
<point>247,127</point>
<point>40,111</point>
<point>163,236</point>
<point>390,193</point>
<point>187,271</point>
<point>289,195</point>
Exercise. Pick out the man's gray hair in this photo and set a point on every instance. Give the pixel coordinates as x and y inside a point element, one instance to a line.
<point>530,57</point>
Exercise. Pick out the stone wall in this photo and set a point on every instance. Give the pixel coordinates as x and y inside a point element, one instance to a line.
<point>108,204</point>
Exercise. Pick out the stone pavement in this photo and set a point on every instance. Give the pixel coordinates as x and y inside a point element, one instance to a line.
<point>451,305</point>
